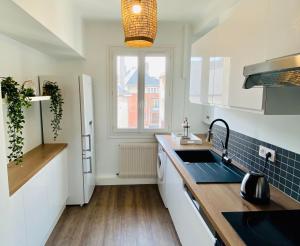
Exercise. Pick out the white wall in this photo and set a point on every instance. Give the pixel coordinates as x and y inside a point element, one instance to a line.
<point>99,37</point>
<point>58,16</point>
<point>24,63</point>
<point>282,131</point>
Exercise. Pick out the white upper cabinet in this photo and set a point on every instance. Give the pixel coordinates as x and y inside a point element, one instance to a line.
<point>238,41</point>
<point>219,74</point>
<point>202,49</point>
<point>283,28</point>
<point>243,40</point>
<point>254,31</point>
<point>209,71</point>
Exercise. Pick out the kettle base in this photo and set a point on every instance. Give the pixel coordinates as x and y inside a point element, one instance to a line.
<point>254,199</point>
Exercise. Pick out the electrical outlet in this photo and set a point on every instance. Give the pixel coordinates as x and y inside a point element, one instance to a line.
<point>263,151</point>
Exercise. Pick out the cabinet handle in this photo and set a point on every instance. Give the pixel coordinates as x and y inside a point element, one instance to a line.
<point>90,162</point>
<point>90,142</point>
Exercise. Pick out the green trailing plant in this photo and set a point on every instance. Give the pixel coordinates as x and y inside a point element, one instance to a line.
<point>27,89</point>
<point>51,89</point>
<point>27,92</point>
<point>16,102</point>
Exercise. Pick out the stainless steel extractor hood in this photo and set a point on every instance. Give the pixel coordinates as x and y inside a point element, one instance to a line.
<point>284,71</point>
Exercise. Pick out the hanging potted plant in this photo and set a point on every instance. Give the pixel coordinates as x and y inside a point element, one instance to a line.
<point>51,89</point>
<point>17,100</point>
<point>28,89</point>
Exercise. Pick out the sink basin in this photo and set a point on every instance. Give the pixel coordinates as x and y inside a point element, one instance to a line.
<point>194,156</point>
<point>206,166</point>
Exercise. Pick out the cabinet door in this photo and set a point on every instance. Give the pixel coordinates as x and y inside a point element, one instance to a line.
<point>17,219</point>
<point>188,222</point>
<point>168,185</point>
<point>243,39</point>
<point>219,80</point>
<point>36,207</point>
<point>65,177</point>
<point>56,187</point>
<point>202,50</point>
<point>283,28</point>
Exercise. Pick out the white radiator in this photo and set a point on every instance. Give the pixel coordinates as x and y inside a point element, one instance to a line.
<point>137,160</point>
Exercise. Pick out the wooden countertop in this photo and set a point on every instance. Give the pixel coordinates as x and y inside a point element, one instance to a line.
<point>217,198</point>
<point>33,161</point>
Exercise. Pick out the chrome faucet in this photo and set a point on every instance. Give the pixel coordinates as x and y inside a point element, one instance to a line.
<point>225,158</point>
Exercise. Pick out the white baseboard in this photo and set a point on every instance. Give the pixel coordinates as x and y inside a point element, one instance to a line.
<point>115,180</point>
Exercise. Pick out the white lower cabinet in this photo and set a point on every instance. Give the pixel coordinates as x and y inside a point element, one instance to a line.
<point>189,224</point>
<point>18,219</point>
<point>37,206</point>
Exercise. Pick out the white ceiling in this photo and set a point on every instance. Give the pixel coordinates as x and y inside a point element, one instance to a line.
<point>191,11</point>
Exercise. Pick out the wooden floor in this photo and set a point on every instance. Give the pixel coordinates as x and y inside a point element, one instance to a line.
<point>117,215</point>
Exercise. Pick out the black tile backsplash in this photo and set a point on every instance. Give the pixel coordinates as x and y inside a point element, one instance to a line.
<point>284,173</point>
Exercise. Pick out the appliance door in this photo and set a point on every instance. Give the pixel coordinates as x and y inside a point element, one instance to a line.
<point>87,130</point>
<point>161,173</point>
<point>160,167</point>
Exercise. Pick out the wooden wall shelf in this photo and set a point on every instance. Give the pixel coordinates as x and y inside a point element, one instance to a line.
<point>33,161</point>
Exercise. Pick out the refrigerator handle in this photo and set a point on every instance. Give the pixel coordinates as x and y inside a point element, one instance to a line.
<point>90,162</point>
<point>90,143</point>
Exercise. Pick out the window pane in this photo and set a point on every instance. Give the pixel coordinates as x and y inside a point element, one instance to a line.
<point>127,82</point>
<point>155,86</point>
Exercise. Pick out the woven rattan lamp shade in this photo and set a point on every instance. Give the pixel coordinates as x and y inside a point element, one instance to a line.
<point>139,28</point>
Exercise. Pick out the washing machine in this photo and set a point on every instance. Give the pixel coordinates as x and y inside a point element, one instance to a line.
<point>161,173</point>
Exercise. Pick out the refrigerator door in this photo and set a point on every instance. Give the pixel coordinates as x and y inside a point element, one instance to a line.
<point>87,130</point>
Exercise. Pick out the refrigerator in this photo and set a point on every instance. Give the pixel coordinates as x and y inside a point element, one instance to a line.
<point>87,135</point>
<point>77,131</point>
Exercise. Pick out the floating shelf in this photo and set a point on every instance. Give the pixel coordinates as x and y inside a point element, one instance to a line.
<point>39,98</point>
<point>34,99</point>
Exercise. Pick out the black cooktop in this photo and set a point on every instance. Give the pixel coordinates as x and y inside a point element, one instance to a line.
<point>266,227</point>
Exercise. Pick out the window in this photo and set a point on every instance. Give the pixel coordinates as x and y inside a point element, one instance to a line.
<point>127,83</point>
<point>155,104</point>
<point>141,90</point>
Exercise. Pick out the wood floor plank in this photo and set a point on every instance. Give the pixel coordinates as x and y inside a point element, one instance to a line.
<point>117,216</point>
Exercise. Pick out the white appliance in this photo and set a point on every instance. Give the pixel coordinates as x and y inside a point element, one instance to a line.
<point>77,132</point>
<point>87,133</point>
<point>161,173</point>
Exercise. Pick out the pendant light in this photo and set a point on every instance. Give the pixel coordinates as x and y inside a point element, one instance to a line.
<point>139,22</point>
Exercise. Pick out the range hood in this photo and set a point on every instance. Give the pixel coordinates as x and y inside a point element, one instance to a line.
<point>279,72</point>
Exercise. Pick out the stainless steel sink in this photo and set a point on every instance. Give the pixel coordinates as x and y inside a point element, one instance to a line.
<point>206,166</point>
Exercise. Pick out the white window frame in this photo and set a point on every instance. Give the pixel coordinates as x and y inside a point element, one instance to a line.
<point>140,131</point>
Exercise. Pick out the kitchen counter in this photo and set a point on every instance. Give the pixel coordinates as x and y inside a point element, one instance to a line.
<point>33,161</point>
<point>217,198</point>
